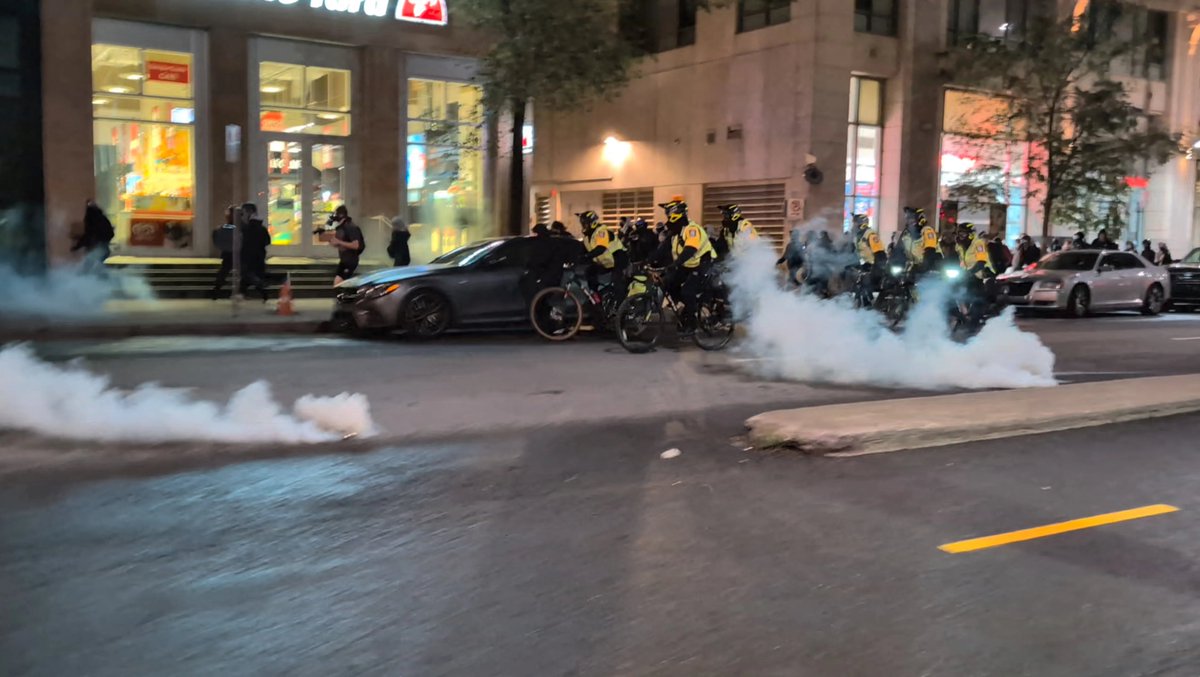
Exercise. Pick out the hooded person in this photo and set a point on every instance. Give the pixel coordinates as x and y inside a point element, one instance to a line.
<point>398,247</point>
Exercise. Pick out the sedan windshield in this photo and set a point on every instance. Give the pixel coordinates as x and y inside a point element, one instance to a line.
<point>1069,261</point>
<point>467,254</point>
<point>1193,257</point>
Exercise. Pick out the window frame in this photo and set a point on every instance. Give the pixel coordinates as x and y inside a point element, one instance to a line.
<point>770,7</point>
<point>855,122</point>
<point>872,16</point>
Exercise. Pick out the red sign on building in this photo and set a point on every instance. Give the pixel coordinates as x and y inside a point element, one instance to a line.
<point>422,11</point>
<point>163,71</point>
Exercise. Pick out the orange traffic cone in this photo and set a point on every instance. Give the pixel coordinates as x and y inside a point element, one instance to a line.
<point>284,307</point>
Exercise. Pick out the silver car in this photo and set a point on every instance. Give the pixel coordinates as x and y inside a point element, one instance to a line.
<point>1080,281</point>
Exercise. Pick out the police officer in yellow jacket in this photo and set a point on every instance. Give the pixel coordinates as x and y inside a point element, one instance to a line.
<point>919,241</point>
<point>692,255</point>
<point>736,229</point>
<point>973,253</point>
<point>606,252</point>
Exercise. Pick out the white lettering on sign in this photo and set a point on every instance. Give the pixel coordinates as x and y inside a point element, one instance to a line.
<point>419,11</point>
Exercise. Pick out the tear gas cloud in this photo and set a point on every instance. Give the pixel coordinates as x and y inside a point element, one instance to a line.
<point>804,338</point>
<point>67,291</point>
<point>68,401</point>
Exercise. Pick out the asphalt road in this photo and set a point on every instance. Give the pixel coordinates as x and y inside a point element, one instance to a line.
<point>530,527</point>
<point>579,551</point>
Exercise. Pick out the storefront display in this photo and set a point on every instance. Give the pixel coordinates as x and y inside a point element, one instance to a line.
<point>305,120</point>
<point>445,165</point>
<point>143,111</point>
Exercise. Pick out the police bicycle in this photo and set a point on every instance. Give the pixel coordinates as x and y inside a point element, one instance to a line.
<point>643,316</point>
<point>559,313</point>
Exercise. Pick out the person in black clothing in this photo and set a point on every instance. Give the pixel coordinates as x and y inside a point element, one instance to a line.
<point>1079,242</point>
<point>1164,255</point>
<point>793,257</point>
<point>255,240</point>
<point>1028,253</point>
<point>349,241</point>
<point>398,247</point>
<point>559,229</point>
<point>222,239</point>
<point>1102,241</point>
<point>97,236</point>
<point>1147,251</point>
<point>643,243</point>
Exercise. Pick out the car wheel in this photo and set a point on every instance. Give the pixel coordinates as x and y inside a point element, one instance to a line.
<point>426,315</point>
<point>1080,302</point>
<point>1155,300</point>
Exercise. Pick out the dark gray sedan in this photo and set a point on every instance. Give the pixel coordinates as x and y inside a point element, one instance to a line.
<point>484,284</point>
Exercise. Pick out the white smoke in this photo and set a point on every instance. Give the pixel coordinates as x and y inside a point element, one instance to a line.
<point>801,337</point>
<point>72,290</point>
<point>68,401</point>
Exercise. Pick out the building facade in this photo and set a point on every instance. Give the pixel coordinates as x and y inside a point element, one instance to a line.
<point>167,111</point>
<point>808,111</point>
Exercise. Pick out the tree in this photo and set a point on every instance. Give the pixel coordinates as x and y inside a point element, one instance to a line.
<point>561,55</point>
<point>1062,99</point>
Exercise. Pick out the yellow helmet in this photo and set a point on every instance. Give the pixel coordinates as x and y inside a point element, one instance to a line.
<point>676,209</point>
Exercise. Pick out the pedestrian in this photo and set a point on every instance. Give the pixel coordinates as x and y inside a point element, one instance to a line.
<point>398,247</point>
<point>222,239</point>
<point>1129,247</point>
<point>1079,242</point>
<point>559,229</point>
<point>1164,255</point>
<point>1000,254</point>
<point>1102,241</point>
<point>349,242</point>
<point>1057,245</point>
<point>255,240</point>
<point>1148,251</point>
<point>1028,253</point>
<point>793,257</point>
<point>96,240</point>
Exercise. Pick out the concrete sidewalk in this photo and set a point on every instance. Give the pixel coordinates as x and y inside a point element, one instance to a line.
<point>120,319</point>
<point>893,425</point>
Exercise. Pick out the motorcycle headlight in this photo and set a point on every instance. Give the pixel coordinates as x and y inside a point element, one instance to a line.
<point>953,273</point>
<point>1050,284</point>
<point>380,291</point>
<point>896,270</point>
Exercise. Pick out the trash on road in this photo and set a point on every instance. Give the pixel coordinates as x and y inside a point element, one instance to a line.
<point>670,453</point>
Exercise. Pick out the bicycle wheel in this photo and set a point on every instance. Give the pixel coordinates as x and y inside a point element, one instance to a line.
<point>639,323</point>
<point>556,314</point>
<point>714,324</point>
<point>897,308</point>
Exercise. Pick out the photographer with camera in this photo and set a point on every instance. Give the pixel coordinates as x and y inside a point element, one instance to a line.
<point>348,240</point>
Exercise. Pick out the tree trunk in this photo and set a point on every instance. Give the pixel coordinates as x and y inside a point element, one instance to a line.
<point>1048,208</point>
<point>516,171</point>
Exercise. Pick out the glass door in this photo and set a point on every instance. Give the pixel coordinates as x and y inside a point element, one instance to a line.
<point>306,182</point>
<point>327,189</point>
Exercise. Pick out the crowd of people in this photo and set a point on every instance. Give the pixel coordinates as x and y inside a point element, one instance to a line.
<point>679,245</point>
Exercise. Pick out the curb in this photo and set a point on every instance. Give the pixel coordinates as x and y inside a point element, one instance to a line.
<point>86,332</point>
<point>918,423</point>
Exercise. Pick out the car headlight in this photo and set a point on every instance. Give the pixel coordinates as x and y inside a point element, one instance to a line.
<point>953,273</point>
<point>380,291</point>
<point>1050,284</point>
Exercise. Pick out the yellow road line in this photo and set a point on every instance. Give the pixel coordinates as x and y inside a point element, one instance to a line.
<point>1059,528</point>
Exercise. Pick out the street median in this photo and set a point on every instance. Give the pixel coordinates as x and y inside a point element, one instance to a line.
<point>916,423</point>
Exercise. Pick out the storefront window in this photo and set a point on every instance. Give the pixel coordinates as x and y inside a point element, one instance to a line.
<point>144,143</point>
<point>304,99</point>
<point>445,166</point>
<point>864,149</point>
